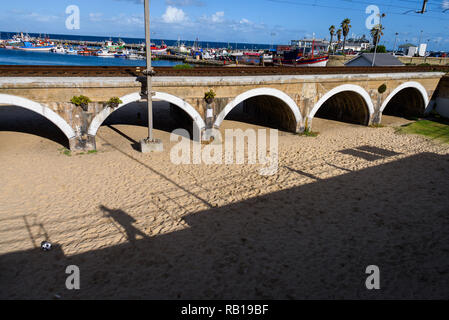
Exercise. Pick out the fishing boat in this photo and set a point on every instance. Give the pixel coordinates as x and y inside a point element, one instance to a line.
<point>121,54</point>
<point>320,61</point>
<point>58,49</point>
<point>28,46</point>
<point>301,58</point>
<point>71,51</point>
<point>86,52</point>
<point>105,53</point>
<point>135,56</point>
<point>159,49</point>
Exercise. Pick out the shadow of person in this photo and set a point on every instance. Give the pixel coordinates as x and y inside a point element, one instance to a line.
<point>126,221</point>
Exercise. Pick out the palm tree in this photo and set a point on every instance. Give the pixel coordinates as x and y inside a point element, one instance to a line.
<point>345,25</point>
<point>332,33</point>
<point>376,33</point>
<point>339,31</point>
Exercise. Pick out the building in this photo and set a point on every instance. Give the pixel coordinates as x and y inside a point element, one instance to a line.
<point>358,45</point>
<point>382,60</point>
<point>320,44</point>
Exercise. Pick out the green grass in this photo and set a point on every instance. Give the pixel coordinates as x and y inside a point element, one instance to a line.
<point>68,153</point>
<point>308,133</point>
<point>182,66</point>
<point>65,151</point>
<point>377,125</point>
<point>432,129</point>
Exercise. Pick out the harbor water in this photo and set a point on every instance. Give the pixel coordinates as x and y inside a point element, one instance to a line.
<point>17,57</point>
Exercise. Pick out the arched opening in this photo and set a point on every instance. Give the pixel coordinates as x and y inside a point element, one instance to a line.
<point>166,116</point>
<point>264,111</point>
<point>265,107</point>
<point>169,113</point>
<point>18,119</point>
<point>41,120</point>
<point>407,103</point>
<point>346,106</point>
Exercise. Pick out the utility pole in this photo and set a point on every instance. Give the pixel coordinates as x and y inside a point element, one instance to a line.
<point>149,144</point>
<point>395,43</point>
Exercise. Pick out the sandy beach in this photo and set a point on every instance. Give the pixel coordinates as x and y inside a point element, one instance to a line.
<point>141,227</point>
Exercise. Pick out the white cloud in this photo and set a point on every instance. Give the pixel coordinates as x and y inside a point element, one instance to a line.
<point>42,17</point>
<point>174,15</point>
<point>218,17</point>
<point>245,21</point>
<point>95,17</point>
<point>445,5</point>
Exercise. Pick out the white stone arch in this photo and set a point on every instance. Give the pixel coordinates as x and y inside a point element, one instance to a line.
<point>133,97</point>
<point>40,109</point>
<point>345,87</point>
<point>259,92</point>
<point>410,84</point>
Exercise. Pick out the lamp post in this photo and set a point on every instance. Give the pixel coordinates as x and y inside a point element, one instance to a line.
<point>395,43</point>
<point>149,144</point>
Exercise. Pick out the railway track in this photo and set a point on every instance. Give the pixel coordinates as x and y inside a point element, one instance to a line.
<point>72,71</point>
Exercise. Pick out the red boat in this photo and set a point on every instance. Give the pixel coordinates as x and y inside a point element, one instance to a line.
<point>159,50</point>
<point>296,58</point>
<point>87,52</point>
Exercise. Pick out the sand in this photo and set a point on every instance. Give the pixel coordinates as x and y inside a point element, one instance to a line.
<point>139,226</point>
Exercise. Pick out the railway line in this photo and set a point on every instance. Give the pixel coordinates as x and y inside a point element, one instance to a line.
<point>100,71</point>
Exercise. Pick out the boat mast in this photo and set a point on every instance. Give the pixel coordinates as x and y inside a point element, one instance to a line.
<point>313,44</point>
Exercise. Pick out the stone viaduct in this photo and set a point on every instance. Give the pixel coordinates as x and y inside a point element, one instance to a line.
<point>292,100</point>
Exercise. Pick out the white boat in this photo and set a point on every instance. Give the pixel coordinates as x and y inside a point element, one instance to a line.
<point>121,54</point>
<point>71,51</point>
<point>105,53</point>
<point>58,49</point>
<point>313,62</point>
<point>135,56</point>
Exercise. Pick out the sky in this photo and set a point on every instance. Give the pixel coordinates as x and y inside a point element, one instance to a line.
<point>250,21</point>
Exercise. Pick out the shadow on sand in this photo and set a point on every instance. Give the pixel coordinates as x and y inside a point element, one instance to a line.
<point>308,242</point>
<point>19,119</point>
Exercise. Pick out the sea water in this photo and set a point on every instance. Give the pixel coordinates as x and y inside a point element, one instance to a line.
<point>17,57</point>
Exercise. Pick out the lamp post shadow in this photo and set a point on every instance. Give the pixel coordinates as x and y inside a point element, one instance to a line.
<point>126,221</point>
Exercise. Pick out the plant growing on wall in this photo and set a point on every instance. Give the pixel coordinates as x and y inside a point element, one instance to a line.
<point>382,88</point>
<point>209,96</point>
<point>81,101</point>
<point>114,102</point>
